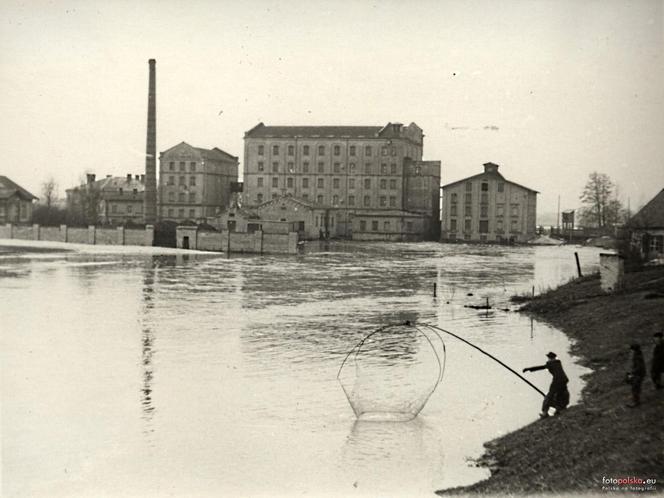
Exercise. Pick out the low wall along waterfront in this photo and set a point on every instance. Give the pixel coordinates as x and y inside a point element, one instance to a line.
<point>91,235</point>
<point>259,242</point>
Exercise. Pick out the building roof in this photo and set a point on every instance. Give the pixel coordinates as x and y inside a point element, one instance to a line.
<point>8,189</point>
<point>490,175</point>
<point>215,153</point>
<point>651,215</point>
<point>114,183</point>
<point>385,131</point>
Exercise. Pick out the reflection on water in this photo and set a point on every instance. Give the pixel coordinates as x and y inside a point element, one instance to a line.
<point>208,375</point>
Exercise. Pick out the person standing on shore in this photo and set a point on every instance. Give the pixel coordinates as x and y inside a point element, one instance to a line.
<point>657,365</point>
<point>636,374</point>
<point>558,395</point>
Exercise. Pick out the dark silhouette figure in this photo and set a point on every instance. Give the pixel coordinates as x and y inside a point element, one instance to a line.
<point>558,395</point>
<point>657,366</point>
<point>636,374</point>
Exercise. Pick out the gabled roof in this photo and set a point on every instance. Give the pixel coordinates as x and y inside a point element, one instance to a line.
<point>215,153</point>
<point>390,130</point>
<point>491,175</point>
<point>651,215</point>
<point>8,188</point>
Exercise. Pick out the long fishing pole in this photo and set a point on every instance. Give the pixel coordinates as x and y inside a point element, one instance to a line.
<point>487,354</point>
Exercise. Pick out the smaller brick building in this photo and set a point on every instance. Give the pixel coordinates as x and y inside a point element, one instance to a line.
<point>15,202</point>
<point>112,200</point>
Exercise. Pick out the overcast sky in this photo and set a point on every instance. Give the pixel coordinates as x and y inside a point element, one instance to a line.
<point>551,91</point>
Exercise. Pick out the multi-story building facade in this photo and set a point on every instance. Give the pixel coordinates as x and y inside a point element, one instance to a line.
<point>350,170</point>
<point>488,208</point>
<point>15,202</point>
<point>195,183</point>
<point>112,200</point>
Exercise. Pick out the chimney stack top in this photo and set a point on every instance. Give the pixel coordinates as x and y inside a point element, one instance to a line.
<point>490,168</point>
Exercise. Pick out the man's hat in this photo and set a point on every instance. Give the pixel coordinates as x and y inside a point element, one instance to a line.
<point>550,355</point>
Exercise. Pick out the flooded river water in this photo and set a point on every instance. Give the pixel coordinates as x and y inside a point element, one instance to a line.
<point>131,374</point>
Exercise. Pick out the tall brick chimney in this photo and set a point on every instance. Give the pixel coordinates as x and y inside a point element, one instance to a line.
<point>150,199</point>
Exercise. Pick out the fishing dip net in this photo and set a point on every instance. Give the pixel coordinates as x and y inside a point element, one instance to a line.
<point>391,373</point>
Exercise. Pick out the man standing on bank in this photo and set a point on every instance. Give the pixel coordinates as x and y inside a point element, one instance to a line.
<point>558,395</point>
<point>636,374</point>
<point>657,366</point>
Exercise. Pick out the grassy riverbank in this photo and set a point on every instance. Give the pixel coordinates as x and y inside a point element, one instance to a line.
<point>599,437</point>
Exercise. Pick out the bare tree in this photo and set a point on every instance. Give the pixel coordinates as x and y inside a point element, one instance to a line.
<point>601,208</point>
<point>49,192</point>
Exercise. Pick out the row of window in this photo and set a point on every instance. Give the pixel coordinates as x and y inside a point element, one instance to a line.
<point>387,226</point>
<point>484,210</point>
<point>383,200</point>
<point>182,180</point>
<point>320,183</point>
<point>129,209</point>
<point>483,226</point>
<point>484,187</point>
<point>181,213</point>
<point>182,197</point>
<point>182,166</point>
<point>336,168</point>
<point>336,150</point>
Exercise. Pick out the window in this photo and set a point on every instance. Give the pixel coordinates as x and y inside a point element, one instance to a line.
<point>514,209</point>
<point>351,183</point>
<point>386,226</point>
<point>383,151</point>
<point>259,198</point>
<point>351,150</point>
<point>319,199</point>
<point>351,200</point>
<point>656,242</point>
<point>182,181</point>
<point>134,191</point>
<point>321,150</point>
<point>363,225</point>
<point>499,225</point>
<point>500,209</point>
<point>469,186</point>
<point>335,200</point>
<point>484,226</point>
<point>453,210</point>
<point>367,183</point>
<point>171,197</point>
<point>182,166</point>
<point>261,150</point>
<point>275,150</point>
<point>409,226</point>
<point>181,212</point>
<point>114,208</point>
<point>383,183</point>
<point>393,184</point>
<point>367,150</point>
<point>337,150</point>
<point>321,167</point>
<point>275,181</point>
<point>514,226</point>
<point>367,201</point>
<point>171,166</point>
<point>305,167</point>
<point>383,201</point>
<point>468,198</point>
<point>192,166</point>
<point>484,210</point>
<point>321,183</point>
<point>383,168</point>
<point>181,197</point>
<point>305,150</point>
<point>453,225</point>
<point>289,182</point>
<point>171,180</point>
<point>337,167</point>
<point>393,169</point>
<point>192,197</point>
<point>484,198</point>
<point>468,210</point>
<point>192,181</point>
<point>274,195</point>
<point>453,198</point>
<point>351,167</point>
<point>394,151</point>
<point>374,225</point>
<point>291,150</point>
<point>259,181</point>
<point>171,212</point>
<point>501,187</point>
<point>335,183</point>
<point>275,167</point>
<point>192,213</point>
<point>261,166</point>
<point>393,201</point>
<point>305,182</point>
<point>291,167</point>
<point>305,197</point>
<point>485,187</point>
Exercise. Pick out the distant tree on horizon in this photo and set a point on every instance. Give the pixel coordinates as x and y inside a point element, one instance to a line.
<point>601,206</point>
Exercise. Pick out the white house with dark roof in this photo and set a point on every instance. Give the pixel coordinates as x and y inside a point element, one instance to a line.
<point>488,208</point>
